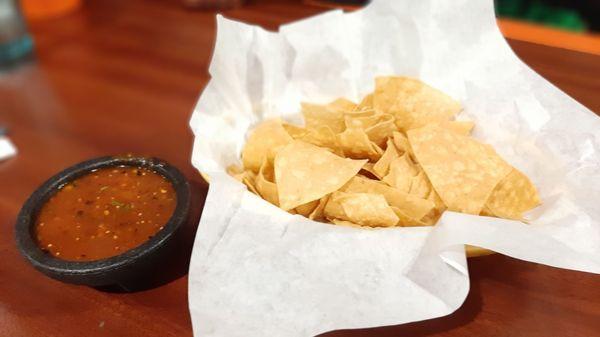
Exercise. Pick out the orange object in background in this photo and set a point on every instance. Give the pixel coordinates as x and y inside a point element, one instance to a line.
<point>41,9</point>
<point>549,36</point>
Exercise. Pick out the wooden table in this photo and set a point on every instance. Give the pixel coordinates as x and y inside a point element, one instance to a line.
<point>123,76</point>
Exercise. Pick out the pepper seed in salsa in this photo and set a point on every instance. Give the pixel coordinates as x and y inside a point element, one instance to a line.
<point>104,213</point>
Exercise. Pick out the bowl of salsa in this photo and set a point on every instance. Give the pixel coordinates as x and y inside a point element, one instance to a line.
<point>106,221</point>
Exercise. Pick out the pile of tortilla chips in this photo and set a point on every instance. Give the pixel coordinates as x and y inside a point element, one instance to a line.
<point>395,159</point>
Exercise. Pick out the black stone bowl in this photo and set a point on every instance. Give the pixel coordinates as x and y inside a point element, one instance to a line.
<point>126,270</point>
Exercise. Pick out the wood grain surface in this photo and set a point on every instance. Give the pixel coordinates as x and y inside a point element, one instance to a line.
<point>123,76</point>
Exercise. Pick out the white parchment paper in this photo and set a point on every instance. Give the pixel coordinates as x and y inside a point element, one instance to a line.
<point>259,271</point>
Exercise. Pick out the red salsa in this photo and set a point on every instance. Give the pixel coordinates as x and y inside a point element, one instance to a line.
<point>104,213</point>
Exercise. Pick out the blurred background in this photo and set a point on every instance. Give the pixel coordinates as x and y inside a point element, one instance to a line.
<point>59,59</point>
<point>570,24</point>
<point>67,51</point>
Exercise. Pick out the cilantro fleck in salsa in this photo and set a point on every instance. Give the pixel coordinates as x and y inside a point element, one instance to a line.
<point>104,213</point>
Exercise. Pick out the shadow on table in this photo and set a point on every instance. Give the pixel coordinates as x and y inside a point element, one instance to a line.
<point>480,268</point>
<point>177,260</point>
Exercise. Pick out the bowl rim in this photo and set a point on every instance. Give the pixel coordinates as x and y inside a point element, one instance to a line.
<point>26,218</point>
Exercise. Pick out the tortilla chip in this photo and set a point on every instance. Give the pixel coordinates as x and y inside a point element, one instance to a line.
<point>333,208</point>
<point>367,209</point>
<point>514,195</point>
<point>305,172</point>
<point>323,136</point>
<point>236,172</point>
<point>344,223</point>
<point>362,119</point>
<point>432,217</point>
<point>463,171</point>
<point>401,143</point>
<point>249,179</point>
<point>420,185</point>
<point>308,208</point>
<point>317,213</point>
<point>356,144</point>
<point>401,173</point>
<point>382,130</point>
<point>331,115</point>
<point>342,104</point>
<point>360,113</point>
<point>461,127</point>
<point>369,171</point>
<point>405,220</point>
<point>265,185</point>
<point>485,211</point>
<point>377,126</point>
<point>439,203</point>
<point>413,206</point>
<point>412,102</point>
<point>382,166</point>
<point>264,142</point>
<point>294,131</point>
<point>365,104</point>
